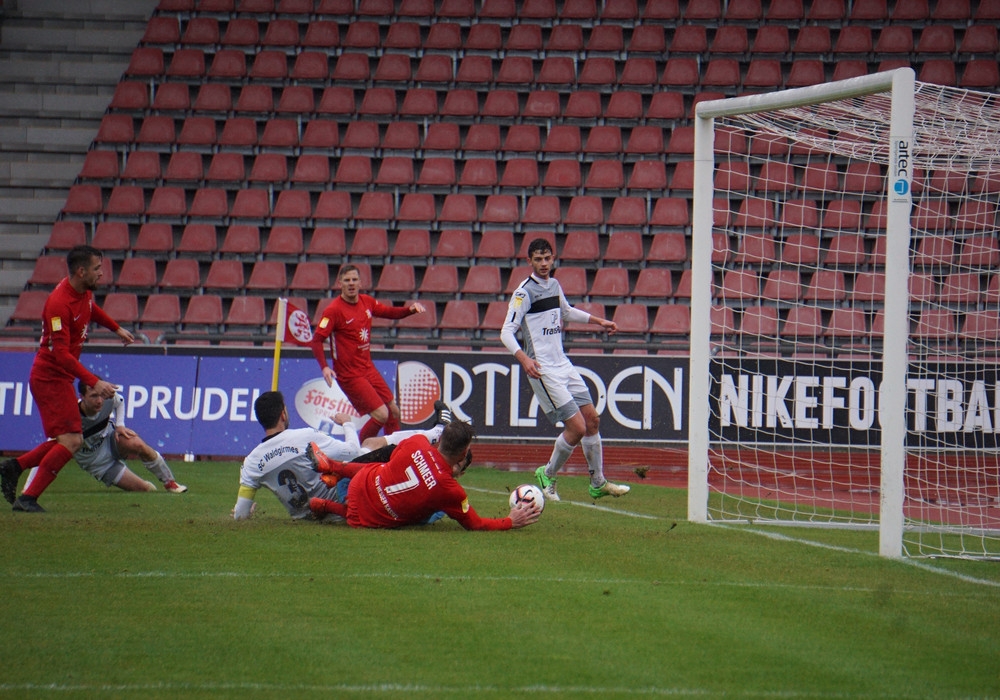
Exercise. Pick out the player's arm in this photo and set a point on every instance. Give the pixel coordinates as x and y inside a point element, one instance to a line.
<point>571,314</point>
<point>321,332</point>
<point>119,411</point>
<point>245,504</point>
<point>381,310</point>
<point>99,316</point>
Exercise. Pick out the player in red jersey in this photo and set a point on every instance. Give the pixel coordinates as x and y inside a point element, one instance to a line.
<point>417,481</point>
<point>67,313</point>
<point>348,318</point>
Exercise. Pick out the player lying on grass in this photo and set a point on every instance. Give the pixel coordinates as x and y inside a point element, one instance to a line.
<point>282,462</point>
<point>107,443</point>
<point>417,481</point>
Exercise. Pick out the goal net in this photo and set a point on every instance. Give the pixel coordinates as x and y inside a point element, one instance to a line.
<point>845,301</point>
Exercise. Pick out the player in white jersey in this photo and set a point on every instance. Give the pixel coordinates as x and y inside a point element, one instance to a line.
<point>283,461</point>
<point>107,443</point>
<point>538,308</point>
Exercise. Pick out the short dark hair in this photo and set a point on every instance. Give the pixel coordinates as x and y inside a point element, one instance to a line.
<point>344,269</point>
<point>539,245</point>
<point>81,388</point>
<point>268,408</point>
<point>455,439</point>
<point>80,256</point>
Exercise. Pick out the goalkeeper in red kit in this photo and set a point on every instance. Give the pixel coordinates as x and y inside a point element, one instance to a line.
<point>67,313</point>
<point>348,318</point>
<point>418,481</point>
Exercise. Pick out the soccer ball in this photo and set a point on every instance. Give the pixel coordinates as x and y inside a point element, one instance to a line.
<point>527,493</point>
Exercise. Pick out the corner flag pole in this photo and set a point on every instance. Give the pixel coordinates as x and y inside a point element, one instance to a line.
<point>278,336</point>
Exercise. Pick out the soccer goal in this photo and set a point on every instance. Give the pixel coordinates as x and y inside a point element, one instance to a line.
<point>845,296</point>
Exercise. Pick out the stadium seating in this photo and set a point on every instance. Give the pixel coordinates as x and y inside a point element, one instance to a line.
<point>415,135</point>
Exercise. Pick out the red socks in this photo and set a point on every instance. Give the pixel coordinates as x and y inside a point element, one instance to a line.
<point>54,460</point>
<point>35,456</point>
<point>369,429</point>
<point>321,506</point>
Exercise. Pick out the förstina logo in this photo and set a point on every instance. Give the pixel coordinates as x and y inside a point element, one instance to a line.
<point>901,165</point>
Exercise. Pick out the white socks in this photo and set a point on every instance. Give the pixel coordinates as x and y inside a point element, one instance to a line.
<point>593,452</point>
<point>159,469</point>
<point>560,453</point>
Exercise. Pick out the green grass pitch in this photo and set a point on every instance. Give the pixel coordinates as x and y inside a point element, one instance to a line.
<point>158,595</point>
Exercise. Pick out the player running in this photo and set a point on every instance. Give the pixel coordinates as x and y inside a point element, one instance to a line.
<point>538,309</point>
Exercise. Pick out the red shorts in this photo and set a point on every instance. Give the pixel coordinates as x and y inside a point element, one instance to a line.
<point>56,401</point>
<point>366,393</point>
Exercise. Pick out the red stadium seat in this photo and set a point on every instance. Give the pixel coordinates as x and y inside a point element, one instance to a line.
<point>49,270</point>
<point>246,311</point>
<point>611,282</point>
<point>161,310</point>
<point>440,279</point>
<point>180,273</point>
<point>397,278</point>
<point>482,280</point>
<point>653,283</point>
<point>203,310</point>
<point>139,273</point>
<point>112,238</point>
<point>496,244</point>
<point>269,167</point>
<point>66,235</point>
<point>581,246</point>
<point>327,242</point>
<point>251,204</point>
<point>759,321</point>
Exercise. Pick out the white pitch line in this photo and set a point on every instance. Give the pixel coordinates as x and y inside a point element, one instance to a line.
<point>425,689</point>
<point>584,504</point>
<point>466,577</point>
<point>848,550</point>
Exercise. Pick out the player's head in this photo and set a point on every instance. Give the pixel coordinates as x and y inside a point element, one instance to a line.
<point>541,257</point>
<point>270,409</point>
<point>350,281</point>
<point>84,265</point>
<point>90,400</point>
<point>454,444</point>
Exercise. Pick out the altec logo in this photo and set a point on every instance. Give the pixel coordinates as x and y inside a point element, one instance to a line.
<point>901,164</point>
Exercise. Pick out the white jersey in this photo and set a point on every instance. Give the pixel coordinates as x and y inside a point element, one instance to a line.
<point>280,464</point>
<point>97,427</point>
<point>539,308</point>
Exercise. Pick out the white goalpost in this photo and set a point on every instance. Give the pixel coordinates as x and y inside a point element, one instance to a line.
<point>844,313</point>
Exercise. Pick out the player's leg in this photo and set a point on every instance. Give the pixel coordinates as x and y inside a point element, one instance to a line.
<point>135,446</point>
<point>323,506</point>
<point>54,460</point>
<point>593,452</point>
<point>366,401</point>
<point>56,400</point>
<point>130,481</point>
<point>442,416</point>
<point>558,405</point>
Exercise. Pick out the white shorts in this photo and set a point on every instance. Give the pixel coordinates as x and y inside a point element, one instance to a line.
<point>561,392</point>
<point>104,463</point>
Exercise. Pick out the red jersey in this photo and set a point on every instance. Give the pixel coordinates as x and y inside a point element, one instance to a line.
<point>65,318</point>
<point>414,484</point>
<point>351,326</point>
